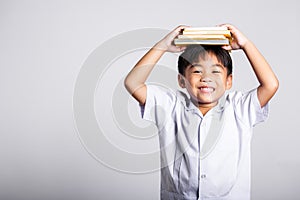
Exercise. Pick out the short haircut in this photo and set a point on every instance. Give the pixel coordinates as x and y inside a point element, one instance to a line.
<point>193,52</point>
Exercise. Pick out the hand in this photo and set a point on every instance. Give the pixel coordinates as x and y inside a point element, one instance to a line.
<point>239,40</point>
<point>167,43</point>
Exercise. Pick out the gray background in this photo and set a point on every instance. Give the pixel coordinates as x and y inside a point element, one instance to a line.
<point>43,45</point>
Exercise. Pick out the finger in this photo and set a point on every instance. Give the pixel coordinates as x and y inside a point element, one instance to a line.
<point>222,25</point>
<point>227,47</point>
<point>179,49</point>
<point>177,30</point>
<point>229,26</point>
<point>182,48</point>
<point>226,24</point>
<point>182,27</point>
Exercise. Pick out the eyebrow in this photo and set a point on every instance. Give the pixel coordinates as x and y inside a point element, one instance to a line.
<point>214,65</point>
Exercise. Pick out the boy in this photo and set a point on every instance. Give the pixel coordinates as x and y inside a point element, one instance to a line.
<point>204,139</point>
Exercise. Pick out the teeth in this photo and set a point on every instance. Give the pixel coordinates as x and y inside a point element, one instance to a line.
<point>206,89</point>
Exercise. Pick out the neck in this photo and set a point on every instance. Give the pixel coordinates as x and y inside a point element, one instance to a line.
<point>204,107</point>
<point>204,110</point>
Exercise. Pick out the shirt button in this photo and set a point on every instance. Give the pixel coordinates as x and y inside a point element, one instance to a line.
<point>203,176</point>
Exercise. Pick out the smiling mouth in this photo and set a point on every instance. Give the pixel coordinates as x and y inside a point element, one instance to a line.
<point>206,89</point>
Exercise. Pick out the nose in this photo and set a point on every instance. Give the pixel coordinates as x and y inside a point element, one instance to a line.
<point>205,77</point>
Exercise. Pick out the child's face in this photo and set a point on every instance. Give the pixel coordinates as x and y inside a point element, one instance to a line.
<point>206,81</point>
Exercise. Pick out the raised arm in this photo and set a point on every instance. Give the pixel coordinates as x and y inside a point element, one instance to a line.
<point>266,77</point>
<point>135,80</point>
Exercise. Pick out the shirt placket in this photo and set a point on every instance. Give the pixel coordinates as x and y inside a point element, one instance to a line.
<point>201,174</point>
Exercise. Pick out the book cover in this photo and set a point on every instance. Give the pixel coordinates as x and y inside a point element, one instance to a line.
<point>215,28</point>
<point>202,37</point>
<point>185,42</point>
<point>208,32</point>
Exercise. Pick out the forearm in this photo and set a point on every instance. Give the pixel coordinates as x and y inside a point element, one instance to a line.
<point>135,80</point>
<point>140,72</point>
<point>264,73</point>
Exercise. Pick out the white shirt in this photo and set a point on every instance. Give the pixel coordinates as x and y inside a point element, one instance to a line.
<point>204,157</point>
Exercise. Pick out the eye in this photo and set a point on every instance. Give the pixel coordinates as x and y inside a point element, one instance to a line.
<point>216,71</point>
<point>197,71</point>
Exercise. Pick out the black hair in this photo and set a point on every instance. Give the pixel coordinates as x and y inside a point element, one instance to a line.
<point>193,52</point>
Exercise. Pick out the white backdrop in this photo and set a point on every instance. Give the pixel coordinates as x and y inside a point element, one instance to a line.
<point>43,46</point>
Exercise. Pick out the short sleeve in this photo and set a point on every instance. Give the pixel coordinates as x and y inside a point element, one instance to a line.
<point>160,102</point>
<point>248,109</point>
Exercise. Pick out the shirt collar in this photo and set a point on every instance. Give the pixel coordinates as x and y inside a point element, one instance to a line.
<point>188,104</point>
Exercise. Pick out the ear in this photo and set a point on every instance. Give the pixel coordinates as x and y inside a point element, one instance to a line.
<point>181,81</point>
<point>229,82</point>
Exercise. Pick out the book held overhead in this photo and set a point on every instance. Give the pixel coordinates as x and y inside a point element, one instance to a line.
<point>204,35</point>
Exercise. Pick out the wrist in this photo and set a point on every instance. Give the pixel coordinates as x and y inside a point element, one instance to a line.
<point>245,44</point>
<point>160,46</point>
